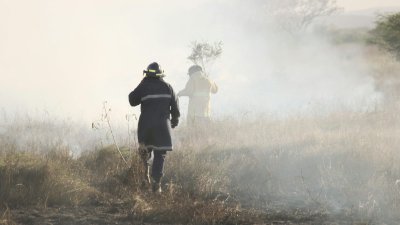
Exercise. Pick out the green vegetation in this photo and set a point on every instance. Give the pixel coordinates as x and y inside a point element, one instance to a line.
<point>387,33</point>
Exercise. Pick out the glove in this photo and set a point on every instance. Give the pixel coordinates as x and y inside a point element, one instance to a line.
<point>174,122</point>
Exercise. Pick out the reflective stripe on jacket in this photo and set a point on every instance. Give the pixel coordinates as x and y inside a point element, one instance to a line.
<point>199,89</point>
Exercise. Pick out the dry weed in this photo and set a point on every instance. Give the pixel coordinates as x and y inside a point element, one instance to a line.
<point>237,171</point>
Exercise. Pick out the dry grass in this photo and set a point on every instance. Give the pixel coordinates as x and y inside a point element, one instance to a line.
<point>338,167</point>
<point>5,218</point>
<point>53,178</point>
<point>342,164</point>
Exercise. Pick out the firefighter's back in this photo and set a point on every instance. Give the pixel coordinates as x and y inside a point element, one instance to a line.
<point>155,101</point>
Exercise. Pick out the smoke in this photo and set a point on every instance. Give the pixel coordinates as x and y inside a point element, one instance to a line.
<point>68,56</point>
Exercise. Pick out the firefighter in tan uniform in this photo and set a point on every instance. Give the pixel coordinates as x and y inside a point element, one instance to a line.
<point>198,89</point>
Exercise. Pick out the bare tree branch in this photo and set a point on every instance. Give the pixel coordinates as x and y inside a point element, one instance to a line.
<point>204,54</point>
<point>297,15</point>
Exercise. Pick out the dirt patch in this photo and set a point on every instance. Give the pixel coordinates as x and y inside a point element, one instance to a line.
<point>120,213</point>
<point>101,214</point>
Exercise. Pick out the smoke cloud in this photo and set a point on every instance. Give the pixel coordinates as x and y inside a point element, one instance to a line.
<point>68,56</point>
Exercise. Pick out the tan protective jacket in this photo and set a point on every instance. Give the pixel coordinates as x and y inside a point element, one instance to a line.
<point>198,89</point>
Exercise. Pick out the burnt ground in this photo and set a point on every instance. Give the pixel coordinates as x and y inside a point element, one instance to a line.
<point>90,214</point>
<point>119,213</point>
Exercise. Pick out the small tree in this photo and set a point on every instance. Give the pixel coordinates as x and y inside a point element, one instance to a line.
<point>387,33</point>
<point>204,54</point>
<point>296,15</point>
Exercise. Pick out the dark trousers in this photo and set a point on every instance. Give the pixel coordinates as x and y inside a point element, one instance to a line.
<point>158,162</point>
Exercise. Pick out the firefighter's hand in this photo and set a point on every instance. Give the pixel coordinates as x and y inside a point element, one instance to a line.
<point>174,122</point>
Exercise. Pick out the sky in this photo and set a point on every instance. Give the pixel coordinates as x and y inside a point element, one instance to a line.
<point>350,5</point>
<point>67,56</point>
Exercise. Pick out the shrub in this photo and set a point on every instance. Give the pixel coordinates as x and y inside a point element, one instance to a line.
<point>387,33</point>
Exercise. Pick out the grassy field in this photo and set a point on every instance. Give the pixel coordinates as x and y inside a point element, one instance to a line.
<point>340,168</point>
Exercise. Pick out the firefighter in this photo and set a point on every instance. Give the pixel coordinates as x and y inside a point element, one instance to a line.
<point>159,113</point>
<point>198,89</point>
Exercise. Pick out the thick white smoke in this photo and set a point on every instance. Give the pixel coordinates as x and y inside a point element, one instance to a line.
<point>68,56</point>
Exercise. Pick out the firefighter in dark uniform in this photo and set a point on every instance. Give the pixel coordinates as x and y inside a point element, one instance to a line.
<point>159,113</point>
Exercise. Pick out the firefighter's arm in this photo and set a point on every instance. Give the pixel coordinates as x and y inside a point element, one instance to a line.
<point>135,96</point>
<point>188,89</point>
<point>214,87</point>
<point>174,110</point>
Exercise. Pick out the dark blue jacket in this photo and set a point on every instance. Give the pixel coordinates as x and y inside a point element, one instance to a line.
<point>159,106</point>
